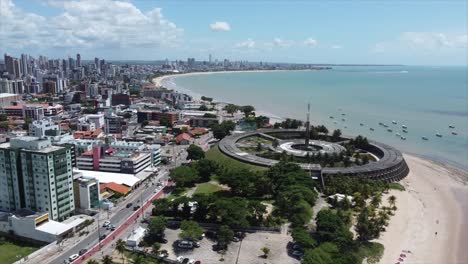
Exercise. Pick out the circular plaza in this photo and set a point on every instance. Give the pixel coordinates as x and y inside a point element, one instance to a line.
<point>267,147</point>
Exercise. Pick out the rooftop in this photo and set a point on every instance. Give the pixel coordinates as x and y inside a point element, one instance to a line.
<point>106,177</point>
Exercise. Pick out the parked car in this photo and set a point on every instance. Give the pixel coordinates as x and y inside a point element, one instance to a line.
<point>185,244</point>
<point>102,237</point>
<point>219,247</point>
<point>164,255</point>
<point>297,253</point>
<point>129,205</point>
<point>66,261</point>
<point>82,251</point>
<point>180,259</point>
<point>161,240</point>
<point>73,257</point>
<point>173,225</point>
<point>112,228</point>
<point>106,223</point>
<point>136,207</point>
<point>211,234</point>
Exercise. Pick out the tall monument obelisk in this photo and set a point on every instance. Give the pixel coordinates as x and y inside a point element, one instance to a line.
<point>307,124</point>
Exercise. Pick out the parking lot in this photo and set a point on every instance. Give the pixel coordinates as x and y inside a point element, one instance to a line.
<point>247,251</point>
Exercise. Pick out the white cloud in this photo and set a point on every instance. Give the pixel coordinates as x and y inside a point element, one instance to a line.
<point>336,47</point>
<point>220,26</point>
<point>247,44</point>
<point>86,23</point>
<point>278,42</point>
<point>310,42</point>
<point>423,41</point>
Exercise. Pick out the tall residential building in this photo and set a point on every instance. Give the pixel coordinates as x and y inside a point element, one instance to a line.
<point>78,60</point>
<point>24,64</point>
<point>37,176</point>
<point>9,65</point>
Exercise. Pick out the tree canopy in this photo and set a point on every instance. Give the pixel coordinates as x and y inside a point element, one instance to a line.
<point>195,152</point>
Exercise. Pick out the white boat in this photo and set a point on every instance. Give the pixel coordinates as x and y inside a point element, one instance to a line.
<point>394,122</point>
<point>398,134</point>
<point>451,126</point>
<point>405,131</point>
<point>385,125</point>
<point>403,138</point>
<point>454,133</point>
<point>404,126</point>
<point>438,135</point>
<point>425,138</point>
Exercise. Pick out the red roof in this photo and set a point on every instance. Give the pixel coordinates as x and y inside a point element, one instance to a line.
<point>198,131</point>
<point>183,136</point>
<point>91,134</point>
<point>119,188</point>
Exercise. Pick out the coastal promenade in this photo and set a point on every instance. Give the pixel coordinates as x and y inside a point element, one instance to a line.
<point>391,165</point>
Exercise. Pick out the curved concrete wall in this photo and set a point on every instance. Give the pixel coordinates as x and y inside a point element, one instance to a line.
<point>391,166</point>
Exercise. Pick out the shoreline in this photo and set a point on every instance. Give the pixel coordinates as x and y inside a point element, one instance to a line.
<point>434,201</point>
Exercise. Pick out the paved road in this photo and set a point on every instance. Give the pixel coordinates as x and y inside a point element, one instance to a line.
<point>123,215</point>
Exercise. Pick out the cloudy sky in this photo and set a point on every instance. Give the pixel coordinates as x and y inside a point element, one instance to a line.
<point>400,32</point>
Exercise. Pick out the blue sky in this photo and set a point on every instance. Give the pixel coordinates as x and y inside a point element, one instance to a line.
<point>390,32</point>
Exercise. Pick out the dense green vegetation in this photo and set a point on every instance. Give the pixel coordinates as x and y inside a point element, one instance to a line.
<point>222,130</point>
<point>194,152</point>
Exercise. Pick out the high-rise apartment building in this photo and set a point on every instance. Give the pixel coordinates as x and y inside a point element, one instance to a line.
<point>37,176</point>
<point>78,60</point>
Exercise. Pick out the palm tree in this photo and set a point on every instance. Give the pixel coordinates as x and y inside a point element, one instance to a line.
<point>107,260</point>
<point>392,200</point>
<point>92,261</point>
<point>120,246</point>
<point>265,251</point>
<point>155,248</point>
<point>138,259</point>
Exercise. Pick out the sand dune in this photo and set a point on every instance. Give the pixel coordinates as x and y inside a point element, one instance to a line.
<point>432,203</point>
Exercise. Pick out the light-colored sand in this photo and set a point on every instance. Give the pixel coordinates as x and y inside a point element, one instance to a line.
<point>158,81</point>
<point>433,202</point>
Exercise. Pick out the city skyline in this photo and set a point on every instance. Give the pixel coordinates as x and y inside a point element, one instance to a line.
<point>430,33</point>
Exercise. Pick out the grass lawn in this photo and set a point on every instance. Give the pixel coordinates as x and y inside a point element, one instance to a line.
<point>215,154</point>
<point>396,186</point>
<point>11,251</point>
<point>207,188</point>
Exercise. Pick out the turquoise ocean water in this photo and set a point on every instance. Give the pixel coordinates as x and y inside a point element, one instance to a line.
<point>425,99</point>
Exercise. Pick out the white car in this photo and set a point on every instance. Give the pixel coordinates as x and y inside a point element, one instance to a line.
<point>73,257</point>
<point>106,223</point>
<point>191,261</point>
<point>180,259</point>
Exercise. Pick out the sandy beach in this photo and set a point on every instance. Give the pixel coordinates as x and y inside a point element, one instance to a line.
<point>158,81</point>
<point>435,200</point>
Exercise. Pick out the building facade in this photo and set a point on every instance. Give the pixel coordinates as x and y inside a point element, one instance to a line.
<point>37,176</point>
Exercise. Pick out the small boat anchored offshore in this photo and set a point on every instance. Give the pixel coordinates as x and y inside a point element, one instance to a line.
<point>404,126</point>
<point>454,133</point>
<point>394,122</point>
<point>389,130</point>
<point>403,138</point>
<point>398,134</point>
<point>331,117</point>
<point>438,135</point>
<point>371,129</point>
<point>425,138</point>
<point>361,124</point>
<point>405,131</point>
<point>451,126</point>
